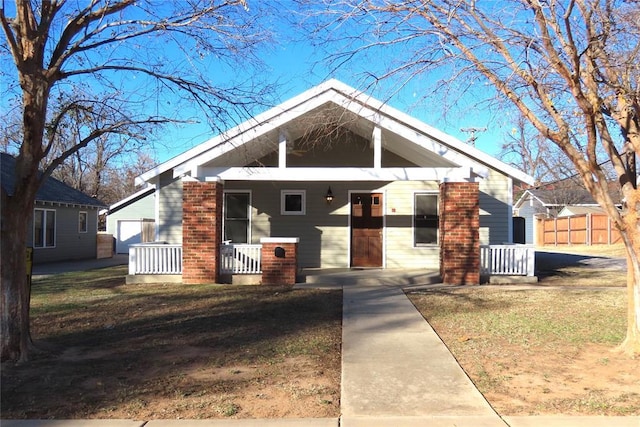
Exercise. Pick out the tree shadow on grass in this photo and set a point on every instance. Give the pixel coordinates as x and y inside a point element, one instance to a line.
<point>144,343</point>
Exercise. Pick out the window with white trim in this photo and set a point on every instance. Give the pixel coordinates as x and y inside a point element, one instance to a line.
<point>44,228</point>
<point>425,219</point>
<point>237,215</point>
<point>82,222</point>
<point>293,202</point>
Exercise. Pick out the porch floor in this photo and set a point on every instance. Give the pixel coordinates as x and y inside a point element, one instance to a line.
<point>338,277</point>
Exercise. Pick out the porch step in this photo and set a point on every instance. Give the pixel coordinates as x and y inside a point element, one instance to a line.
<point>370,277</point>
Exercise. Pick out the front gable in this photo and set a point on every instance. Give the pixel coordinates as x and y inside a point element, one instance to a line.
<point>334,126</point>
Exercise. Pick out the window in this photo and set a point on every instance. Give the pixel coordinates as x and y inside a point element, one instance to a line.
<point>292,202</point>
<point>237,212</point>
<point>44,228</point>
<point>82,222</point>
<point>425,219</point>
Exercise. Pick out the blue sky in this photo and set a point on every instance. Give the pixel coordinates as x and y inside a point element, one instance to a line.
<point>294,67</point>
<point>297,65</point>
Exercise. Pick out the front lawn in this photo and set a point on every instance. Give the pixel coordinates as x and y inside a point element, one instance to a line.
<point>176,351</point>
<point>537,350</point>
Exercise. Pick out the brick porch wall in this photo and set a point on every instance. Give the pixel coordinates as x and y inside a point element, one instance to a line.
<point>201,231</point>
<point>459,233</point>
<point>279,261</point>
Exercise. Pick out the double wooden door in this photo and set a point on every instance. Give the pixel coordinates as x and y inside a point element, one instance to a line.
<point>366,229</point>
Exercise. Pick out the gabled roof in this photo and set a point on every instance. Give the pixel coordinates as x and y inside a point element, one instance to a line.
<point>553,196</point>
<point>150,189</point>
<point>51,190</point>
<point>401,133</point>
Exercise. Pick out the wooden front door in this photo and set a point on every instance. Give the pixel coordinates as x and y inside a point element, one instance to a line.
<point>366,229</point>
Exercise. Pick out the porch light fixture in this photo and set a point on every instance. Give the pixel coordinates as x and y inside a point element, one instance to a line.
<point>329,196</point>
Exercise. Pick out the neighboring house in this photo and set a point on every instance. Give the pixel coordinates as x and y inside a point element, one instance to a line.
<point>358,182</point>
<point>549,202</point>
<point>132,219</point>
<point>65,221</point>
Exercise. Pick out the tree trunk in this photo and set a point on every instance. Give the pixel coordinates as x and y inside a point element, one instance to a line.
<point>15,292</point>
<point>17,212</point>
<point>631,237</point>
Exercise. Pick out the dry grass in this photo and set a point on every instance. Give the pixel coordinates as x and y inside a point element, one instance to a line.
<point>539,351</point>
<point>176,351</point>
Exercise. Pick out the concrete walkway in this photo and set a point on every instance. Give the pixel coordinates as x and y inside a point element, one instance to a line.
<point>397,371</point>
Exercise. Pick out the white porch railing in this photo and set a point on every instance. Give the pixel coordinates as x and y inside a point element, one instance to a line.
<point>507,260</point>
<point>155,258</point>
<point>240,259</point>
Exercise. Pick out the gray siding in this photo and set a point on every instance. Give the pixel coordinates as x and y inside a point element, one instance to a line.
<point>495,214</point>
<point>170,209</point>
<point>70,244</point>
<point>143,208</point>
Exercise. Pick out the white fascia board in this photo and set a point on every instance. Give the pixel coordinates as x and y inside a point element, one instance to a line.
<point>274,122</point>
<point>149,188</point>
<point>415,136</point>
<point>528,194</point>
<point>455,143</point>
<point>336,174</point>
<point>234,132</point>
<point>522,199</point>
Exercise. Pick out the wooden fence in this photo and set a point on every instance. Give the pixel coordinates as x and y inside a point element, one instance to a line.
<point>586,229</point>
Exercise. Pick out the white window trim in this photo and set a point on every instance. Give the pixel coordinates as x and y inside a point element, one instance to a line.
<point>413,219</point>
<point>86,222</point>
<point>284,193</point>
<point>44,229</point>
<point>250,213</point>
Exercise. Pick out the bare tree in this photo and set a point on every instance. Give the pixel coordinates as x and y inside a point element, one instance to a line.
<point>124,66</point>
<point>527,150</point>
<point>571,68</point>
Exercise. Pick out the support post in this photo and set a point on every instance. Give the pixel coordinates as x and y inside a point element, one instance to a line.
<point>201,231</point>
<point>459,219</point>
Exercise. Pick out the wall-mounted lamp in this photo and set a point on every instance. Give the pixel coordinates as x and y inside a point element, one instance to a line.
<point>329,196</point>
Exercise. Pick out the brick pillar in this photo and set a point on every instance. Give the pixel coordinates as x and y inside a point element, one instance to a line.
<point>459,233</point>
<point>201,231</point>
<point>279,260</point>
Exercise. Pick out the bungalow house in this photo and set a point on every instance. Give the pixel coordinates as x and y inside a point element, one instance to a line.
<point>65,221</point>
<point>354,183</point>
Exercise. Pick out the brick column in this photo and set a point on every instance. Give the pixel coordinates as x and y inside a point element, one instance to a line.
<point>201,231</point>
<point>279,260</point>
<point>459,233</point>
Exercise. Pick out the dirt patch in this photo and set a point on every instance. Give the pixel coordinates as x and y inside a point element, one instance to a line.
<point>539,351</point>
<point>592,381</point>
<point>173,351</point>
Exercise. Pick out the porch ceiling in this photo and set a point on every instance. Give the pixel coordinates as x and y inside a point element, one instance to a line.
<point>327,117</point>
